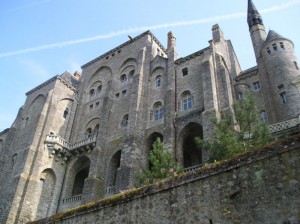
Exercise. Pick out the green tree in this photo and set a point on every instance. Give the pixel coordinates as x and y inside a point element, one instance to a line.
<point>162,166</point>
<point>235,135</point>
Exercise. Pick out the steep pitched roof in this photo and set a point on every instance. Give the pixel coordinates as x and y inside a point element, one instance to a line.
<point>254,16</point>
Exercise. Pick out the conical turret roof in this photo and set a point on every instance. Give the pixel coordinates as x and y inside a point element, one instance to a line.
<point>273,35</point>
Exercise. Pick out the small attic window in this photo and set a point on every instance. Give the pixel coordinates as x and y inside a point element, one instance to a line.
<point>275,47</point>
<point>184,71</point>
<point>268,50</point>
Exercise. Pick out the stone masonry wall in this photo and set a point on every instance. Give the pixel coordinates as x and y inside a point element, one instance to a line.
<point>258,187</point>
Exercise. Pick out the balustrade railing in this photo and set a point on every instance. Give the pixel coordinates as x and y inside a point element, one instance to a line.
<point>281,126</point>
<point>191,168</point>
<point>72,199</point>
<point>110,191</point>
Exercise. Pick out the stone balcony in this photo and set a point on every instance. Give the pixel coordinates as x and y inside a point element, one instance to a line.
<point>60,148</point>
<point>285,125</point>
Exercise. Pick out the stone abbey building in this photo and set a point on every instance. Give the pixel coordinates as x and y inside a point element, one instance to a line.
<point>83,137</point>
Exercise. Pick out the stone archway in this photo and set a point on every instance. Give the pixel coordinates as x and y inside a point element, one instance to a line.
<point>150,140</point>
<point>191,154</point>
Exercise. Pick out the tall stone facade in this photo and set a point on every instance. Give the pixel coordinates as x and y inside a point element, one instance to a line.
<point>82,137</point>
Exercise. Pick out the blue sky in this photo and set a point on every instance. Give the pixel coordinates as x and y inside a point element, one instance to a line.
<point>43,38</point>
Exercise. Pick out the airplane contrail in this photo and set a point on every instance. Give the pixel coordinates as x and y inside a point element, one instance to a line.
<point>24,6</point>
<point>143,28</point>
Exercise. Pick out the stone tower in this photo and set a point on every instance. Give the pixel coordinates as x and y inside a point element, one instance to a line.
<point>277,69</point>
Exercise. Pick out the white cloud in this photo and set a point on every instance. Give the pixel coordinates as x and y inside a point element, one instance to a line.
<point>141,29</point>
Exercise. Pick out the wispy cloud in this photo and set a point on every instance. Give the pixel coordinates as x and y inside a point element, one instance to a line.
<point>24,6</point>
<point>143,28</point>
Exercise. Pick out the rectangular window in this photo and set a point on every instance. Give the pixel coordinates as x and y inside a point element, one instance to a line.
<point>283,97</point>
<point>282,45</point>
<point>274,47</point>
<point>187,103</point>
<point>256,86</point>
<point>268,50</point>
<point>184,71</point>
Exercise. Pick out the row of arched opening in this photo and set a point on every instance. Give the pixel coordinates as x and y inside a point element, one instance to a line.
<point>188,154</point>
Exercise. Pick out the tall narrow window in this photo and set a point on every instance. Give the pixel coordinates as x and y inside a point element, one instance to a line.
<point>124,122</point>
<point>92,94</point>
<point>283,97</point>
<point>256,86</point>
<point>99,88</point>
<point>66,112</point>
<point>42,183</point>
<point>268,50</point>
<point>158,111</point>
<point>296,65</point>
<point>186,98</point>
<point>158,81</point>
<point>281,45</point>
<point>184,71</point>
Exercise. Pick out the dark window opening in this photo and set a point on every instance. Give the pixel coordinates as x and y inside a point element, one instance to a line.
<point>283,97</point>
<point>184,71</point>
<point>124,92</point>
<point>282,45</point>
<point>66,113</point>
<point>274,47</point>
<point>296,65</point>
<point>124,122</point>
<point>117,95</point>
<point>268,50</point>
<point>280,86</point>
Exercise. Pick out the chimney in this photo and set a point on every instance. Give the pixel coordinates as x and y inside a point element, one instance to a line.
<point>77,75</point>
<point>171,41</point>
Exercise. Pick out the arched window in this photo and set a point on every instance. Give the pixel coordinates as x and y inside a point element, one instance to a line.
<point>158,81</point>
<point>99,88</point>
<point>96,128</point>
<point>124,122</point>
<point>263,116</point>
<point>66,112</point>
<point>158,111</point>
<point>131,73</point>
<point>186,98</point>
<point>123,79</point>
<point>92,94</point>
<point>89,132</point>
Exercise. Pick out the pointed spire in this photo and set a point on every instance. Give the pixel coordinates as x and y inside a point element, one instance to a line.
<point>254,17</point>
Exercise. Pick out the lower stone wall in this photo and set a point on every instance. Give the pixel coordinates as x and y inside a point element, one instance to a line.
<point>259,187</point>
